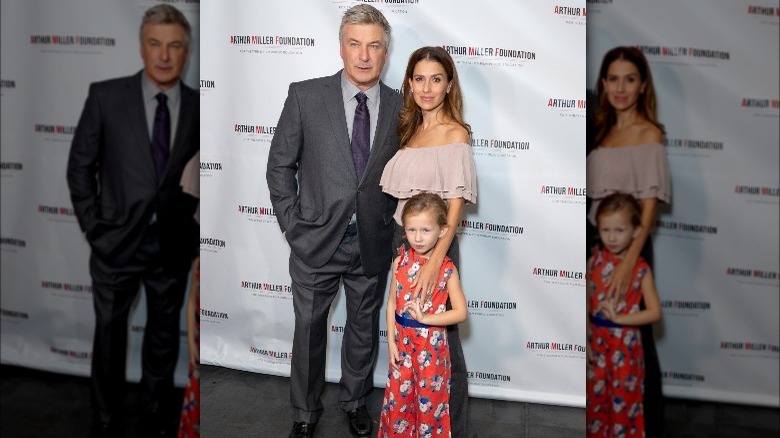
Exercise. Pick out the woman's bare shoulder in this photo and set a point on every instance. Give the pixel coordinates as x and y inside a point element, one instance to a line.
<point>649,133</point>
<point>455,133</point>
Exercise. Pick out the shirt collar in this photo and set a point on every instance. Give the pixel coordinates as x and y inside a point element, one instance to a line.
<point>349,90</point>
<point>150,91</point>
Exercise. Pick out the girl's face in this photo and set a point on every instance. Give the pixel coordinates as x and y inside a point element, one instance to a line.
<point>616,232</point>
<point>623,84</point>
<point>422,232</point>
<point>429,84</point>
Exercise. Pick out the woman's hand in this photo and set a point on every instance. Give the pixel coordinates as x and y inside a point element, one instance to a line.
<point>620,278</point>
<point>425,281</point>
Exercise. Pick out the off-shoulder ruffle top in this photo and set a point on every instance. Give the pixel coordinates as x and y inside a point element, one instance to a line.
<point>447,170</point>
<point>641,170</point>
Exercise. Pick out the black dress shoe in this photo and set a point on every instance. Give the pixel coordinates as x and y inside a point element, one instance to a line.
<point>302,430</point>
<point>360,423</point>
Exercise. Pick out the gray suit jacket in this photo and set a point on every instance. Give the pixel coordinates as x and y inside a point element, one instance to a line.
<point>113,183</point>
<point>312,180</point>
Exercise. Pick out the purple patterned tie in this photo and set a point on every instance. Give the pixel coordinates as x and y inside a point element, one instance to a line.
<point>361,135</point>
<point>161,134</point>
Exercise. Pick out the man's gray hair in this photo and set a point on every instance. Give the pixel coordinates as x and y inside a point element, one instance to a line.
<point>166,14</point>
<point>365,14</point>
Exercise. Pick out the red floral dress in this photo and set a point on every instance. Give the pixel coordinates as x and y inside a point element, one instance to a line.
<point>616,373</point>
<point>416,401</point>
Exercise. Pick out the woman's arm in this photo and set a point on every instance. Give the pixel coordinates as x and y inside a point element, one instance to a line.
<point>426,278</point>
<point>620,278</point>
<point>456,315</point>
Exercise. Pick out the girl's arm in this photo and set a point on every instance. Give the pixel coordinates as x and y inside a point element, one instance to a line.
<point>392,349</point>
<point>620,278</point>
<point>652,312</point>
<point>456,315</point>
<point>427,277</point>
<point>192,314</point>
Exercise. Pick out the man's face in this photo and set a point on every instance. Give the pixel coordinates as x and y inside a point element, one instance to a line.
<point>164,52</point>
<point>364,52</point>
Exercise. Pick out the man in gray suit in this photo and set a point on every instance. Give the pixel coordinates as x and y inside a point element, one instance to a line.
<point>324,185</point>
<point>132,141</point>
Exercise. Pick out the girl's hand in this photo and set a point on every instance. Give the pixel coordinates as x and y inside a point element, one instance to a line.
<point>608,309</point>
<point>395,358</point>
<point>414,309</point>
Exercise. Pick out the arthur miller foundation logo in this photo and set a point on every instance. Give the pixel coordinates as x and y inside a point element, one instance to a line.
<point>257,213</point>
<point>44,128</point>
<point>268,290</point>
<point>488,378</point>
<point>212,244</point>
<point>271,356</point>
<point>272,44</point>
<point>71,354</point>
<point>563,194</point>
<point>676,376</point>
<point>17,315</point>
<point>566,106</point>
<point>685,308</point>
<point>502,54</point>
<point>685,229</point>
<point>386,6</point>
<point>254,132</point>
<point>555,349</point>
<point>571,15</point>
<point>213,316</point>
<point>752,275</point>
<point>491,307</point>
<point>72,40</point>
<point>750,346</point>
<point>559,276</point>
<point>490,230</point>
<point>206,85</point>
<point>499,147</point>
<point>683,52</point>
<point>692,147</point>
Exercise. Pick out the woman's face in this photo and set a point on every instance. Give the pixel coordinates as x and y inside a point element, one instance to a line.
<point>623,85</point>
<point>429,84</point>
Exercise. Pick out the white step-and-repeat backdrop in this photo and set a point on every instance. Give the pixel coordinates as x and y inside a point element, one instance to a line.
<point>522,69</point>
<point>715,67</point>
<point>51,51</point>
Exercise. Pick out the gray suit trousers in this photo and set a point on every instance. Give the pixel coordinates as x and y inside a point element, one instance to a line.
<point>313,292</point>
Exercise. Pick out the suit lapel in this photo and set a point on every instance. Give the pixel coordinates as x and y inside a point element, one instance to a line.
<point>334,104</point>
<point>136,120</point>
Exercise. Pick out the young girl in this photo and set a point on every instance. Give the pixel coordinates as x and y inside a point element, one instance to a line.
<point>416,401</point>
<point>616,368</point>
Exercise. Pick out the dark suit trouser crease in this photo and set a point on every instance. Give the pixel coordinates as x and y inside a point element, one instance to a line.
<point>114,291</point>
<point>460,424</point>
<point>313,292</point>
